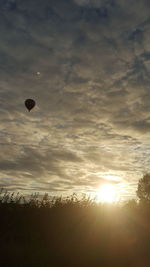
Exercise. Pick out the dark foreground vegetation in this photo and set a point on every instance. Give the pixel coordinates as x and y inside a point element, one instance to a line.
<point>71,232</point>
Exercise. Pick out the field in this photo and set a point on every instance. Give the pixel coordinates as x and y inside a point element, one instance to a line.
<point>70,232</point>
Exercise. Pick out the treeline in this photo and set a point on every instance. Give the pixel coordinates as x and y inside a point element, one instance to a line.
<point>72,232</point>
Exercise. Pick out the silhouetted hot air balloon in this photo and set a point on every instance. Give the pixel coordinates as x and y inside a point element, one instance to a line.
<point>29,103</point>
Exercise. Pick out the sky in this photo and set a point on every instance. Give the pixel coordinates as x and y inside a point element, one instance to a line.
<point>86,63</point>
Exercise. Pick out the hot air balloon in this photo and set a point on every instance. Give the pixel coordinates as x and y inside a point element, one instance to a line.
<point>29,103</point>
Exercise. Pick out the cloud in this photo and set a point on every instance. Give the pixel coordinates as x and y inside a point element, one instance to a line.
<point>92,93</point>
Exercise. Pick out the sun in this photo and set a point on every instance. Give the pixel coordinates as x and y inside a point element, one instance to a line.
<point>106,193</point>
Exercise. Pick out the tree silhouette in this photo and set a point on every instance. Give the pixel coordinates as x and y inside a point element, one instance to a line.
<point>143,190</point>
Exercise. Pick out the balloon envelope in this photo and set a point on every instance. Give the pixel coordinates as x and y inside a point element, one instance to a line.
<point>29,103</point>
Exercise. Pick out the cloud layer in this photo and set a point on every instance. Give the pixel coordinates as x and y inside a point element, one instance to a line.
<point>86,63</point>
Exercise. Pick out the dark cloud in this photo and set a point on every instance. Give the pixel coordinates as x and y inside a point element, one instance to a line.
<point>86,63</point>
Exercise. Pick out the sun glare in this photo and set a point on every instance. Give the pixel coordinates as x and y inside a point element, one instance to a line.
<point>106,193</point>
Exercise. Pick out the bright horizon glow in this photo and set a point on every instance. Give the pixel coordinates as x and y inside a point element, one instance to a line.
<point>106,193</point>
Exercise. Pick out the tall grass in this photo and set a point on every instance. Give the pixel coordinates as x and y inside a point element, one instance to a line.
<point>72,232</point>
